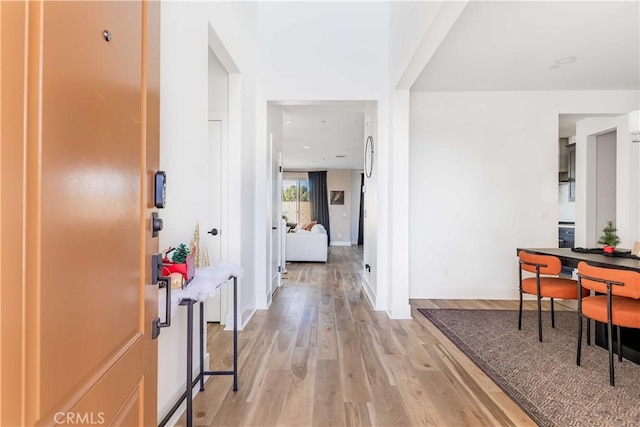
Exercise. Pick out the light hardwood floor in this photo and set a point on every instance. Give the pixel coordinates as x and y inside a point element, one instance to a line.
<point>321,356</point>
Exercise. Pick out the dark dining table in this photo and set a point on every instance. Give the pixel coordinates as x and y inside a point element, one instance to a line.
<point>570,258</point>
<point>629,337</point>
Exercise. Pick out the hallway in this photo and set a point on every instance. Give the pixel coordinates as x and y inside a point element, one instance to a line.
<point>321,356</point>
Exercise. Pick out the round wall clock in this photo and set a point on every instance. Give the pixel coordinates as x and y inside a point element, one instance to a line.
<point>368,157</point>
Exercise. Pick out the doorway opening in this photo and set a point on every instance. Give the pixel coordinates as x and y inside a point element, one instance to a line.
<point>605,181</point>
<point>601,180</point>
<point>213,236</point>
<point>317,136</point>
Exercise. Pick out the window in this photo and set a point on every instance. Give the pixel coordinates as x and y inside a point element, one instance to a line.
<point>296,205</point>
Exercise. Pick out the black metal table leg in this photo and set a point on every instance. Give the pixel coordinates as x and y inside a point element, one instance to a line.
<point>235,334</point>
<point>202,346</point>
<point>189,304</point>
<point>234,371</point>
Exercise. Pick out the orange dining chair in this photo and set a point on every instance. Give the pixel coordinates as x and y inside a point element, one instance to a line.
<point>549,286</point>
<point>620,306</point>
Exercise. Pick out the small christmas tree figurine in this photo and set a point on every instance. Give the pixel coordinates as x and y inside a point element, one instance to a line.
<point>180,254</point>
<point>609,239</point>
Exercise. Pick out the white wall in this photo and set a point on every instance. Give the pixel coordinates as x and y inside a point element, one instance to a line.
<point>340,215</point>
<point>296,175</point>
<point>416,30</point>
<point>274,125</point>
<point>566,208</point>
<point>319,51</point>
<point>183,132</point>
<point>322,51</point>
<point>356,182</point>
<point>408,24</point>
<point>484,170</point>
<point>218,85</point>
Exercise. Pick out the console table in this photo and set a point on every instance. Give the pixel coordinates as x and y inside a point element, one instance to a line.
<point>208,283</point>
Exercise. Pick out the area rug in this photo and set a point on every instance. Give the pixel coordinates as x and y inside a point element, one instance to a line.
<point>543,378</point>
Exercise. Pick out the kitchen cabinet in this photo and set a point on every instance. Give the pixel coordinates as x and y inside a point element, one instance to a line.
<point>566,239</point>
<point>572,172</point>
<point>563,160</point>
<point>563,155</point>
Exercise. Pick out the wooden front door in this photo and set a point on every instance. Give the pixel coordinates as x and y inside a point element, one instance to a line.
<point>79,144</point>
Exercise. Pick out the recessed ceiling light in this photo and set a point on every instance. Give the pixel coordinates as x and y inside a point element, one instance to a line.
<point>287,122</point>
<point>306,147</point>
<point>340,156</point>
<point>323,121</point>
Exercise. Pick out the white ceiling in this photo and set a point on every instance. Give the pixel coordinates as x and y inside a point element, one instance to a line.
<point>341,134</point>
<point>512,45</point>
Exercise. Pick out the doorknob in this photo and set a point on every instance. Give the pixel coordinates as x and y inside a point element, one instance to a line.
<point>213,231</point>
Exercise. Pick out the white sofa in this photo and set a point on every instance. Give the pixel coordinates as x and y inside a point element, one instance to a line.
<point>307,245</point>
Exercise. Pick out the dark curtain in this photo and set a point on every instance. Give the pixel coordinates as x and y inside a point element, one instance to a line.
<point>361,223</point>
<point>319,199</point>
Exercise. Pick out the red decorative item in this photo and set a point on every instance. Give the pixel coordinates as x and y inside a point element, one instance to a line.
<point>187,269</point>
<point>174,267</point>
<point>165,270</point>
<point>609,249</point>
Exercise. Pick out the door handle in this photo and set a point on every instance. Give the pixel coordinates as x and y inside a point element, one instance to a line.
<point>274,228</point>
<point>213,231</point>
<point>163,282</point>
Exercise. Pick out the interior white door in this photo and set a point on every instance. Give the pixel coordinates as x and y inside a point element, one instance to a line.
<point>276,215</point>
<point>211,235</point>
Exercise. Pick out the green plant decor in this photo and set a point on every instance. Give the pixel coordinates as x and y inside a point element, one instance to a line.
<point>180,254</point>
<point>609,238</point>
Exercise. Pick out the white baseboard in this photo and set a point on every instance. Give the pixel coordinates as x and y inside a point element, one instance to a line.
<point>245,317</point>
<point>269,298</point>
<point>183,407</point>
<point>340,244</point>
<point>371,296</point>
<point>400,312</point>
<point>471,293</point>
